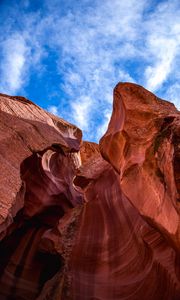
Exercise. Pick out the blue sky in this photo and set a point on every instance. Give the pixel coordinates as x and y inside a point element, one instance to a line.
<point>67,55</point>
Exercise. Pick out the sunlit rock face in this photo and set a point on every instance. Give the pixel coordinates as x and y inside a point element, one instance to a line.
<point>80,221</point>
<point>142,143</point>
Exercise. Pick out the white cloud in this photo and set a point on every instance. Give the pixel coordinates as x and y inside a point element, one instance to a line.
<point>163,44</point>
<point>21,48</point>
<point>99,37</point>
<point>103,127</point>
<point>53,109</point>
<point>81,110</point>
<point>15,52</point>
<point>166,52</point>
<point>97,44</point>
<point>173,94</point>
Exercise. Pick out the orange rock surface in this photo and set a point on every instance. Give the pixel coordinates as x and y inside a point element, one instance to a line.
<point>80,221</point>
<point>142,144</point>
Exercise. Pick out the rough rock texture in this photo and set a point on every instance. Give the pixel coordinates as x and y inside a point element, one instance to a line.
<point>88,150</point>
<point>26,129</point>
<point>143,144</point>
<point>38,158</point>
<point>78,225</point>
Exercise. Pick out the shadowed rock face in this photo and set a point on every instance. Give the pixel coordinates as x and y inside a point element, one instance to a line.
<point>78,225</point>
<point>26,129</point>
<point>38,156</point>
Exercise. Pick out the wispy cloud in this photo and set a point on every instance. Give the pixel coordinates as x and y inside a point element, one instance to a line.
<point>162,43</point>
<point>96,44</point>
<point>53,109</point>
<point>173,93</point>
<point>14,54</point>
<point>103,39</point>
<point>103,127</point>
<point>100,38</point>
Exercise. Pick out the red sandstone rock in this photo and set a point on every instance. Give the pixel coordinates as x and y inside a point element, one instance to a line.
<point>142,144</point>
<point>24,129</point>
<point>88,150</point>
<point>38,157</point>
<point>81,227</point>
<point>116,254</point>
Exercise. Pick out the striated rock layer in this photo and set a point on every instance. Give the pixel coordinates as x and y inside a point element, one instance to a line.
<point>38,157</point>
<point>83,222</point>
<point>142,143</point>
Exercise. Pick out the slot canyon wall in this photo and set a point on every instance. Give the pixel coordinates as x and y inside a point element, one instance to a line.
<point>81,221</point>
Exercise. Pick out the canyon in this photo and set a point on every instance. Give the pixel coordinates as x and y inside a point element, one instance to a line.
<point>82,221</point>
